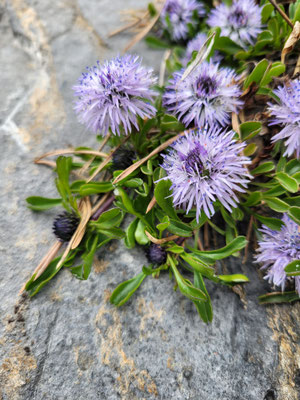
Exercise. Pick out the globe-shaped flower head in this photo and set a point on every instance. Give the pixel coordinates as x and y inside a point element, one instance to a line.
<point>241,22</point>
<point>279,248</point>
<point>195,45</point>
<point>112,95</point>
<point>205,166</point>
<point>207,95</point>
<point>287,114</point>
<point>177,14</point>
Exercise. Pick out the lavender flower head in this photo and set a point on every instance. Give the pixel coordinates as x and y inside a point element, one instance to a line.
<point>177,14</point>
<point>205,166</point>
<point>207,95</point>
<point>241,22</point>
<point>277,249</point>
<point>287,113</point>
<point>195,45</point>
<point>114,94</point>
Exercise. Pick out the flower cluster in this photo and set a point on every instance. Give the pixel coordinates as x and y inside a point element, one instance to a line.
<point>195,45</point>
<point>277,249</point>
<point>207,95</point>
<point>114,94</point>
<point>205,166</point>
<point>287,113</point>
<point>177,14</point>
<point>241,21</point>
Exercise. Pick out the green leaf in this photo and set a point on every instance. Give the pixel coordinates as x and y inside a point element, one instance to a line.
<point>162,195</point>
<point>175,249</point>
<point>42,203</point>
<point>296,12</point>
<point>276,69</point>
<point>76,185</point>
<point>276,204</point>
<point>180,228</point>
<point>140,235</point>
<point>171,123</point>
<point>272,223</point>
<point>226,45</point>
<point>95,188</point>
<point>186,288</point>
<point>198,265</point>
<point>292,201</point>
<point>152,9</point>
<point>263,168</point>
<point>253,199</point>
<point>63,169</point>
<point>156,43</point>
<point>89,257</point>
<point>292,167</point>
<point>266,12</point>
<point>277,190</point>
<point>294,213</point>
<point>250,129</point>
<point>278,297</point>
<point>287,182</point>
<point>34,286</point>
<point>293,268</point>
<point>113,233</point>
<point>129,234</point>
<point>237,214</point>
<point>250,149</point>
<point>296,176</point>
<point>109,219</point>
<point>164,224</point>
<point>204,308</point>
<point>126,289</point>
<point>133,183</point>
<point>257,73</point>
<point>211,256</point>
<point>233,279</point>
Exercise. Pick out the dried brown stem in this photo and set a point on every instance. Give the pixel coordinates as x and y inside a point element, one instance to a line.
<point>151,204</point>
<point>144,31</point>
<point>129,26</point>
<point>70,151</point>
<point>282,13</point>
<point>206,236</point>
<point>200,244</point>
<point>46,260</point>
<point>51,164</point>
<point>160,241</point>
<point>89,162</point>
<point>100,202</point>
<point>136,165</point>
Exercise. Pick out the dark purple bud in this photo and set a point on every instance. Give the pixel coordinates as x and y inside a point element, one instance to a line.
<point>123,158</point>
<point>156,254</point>
<point>65,225</point>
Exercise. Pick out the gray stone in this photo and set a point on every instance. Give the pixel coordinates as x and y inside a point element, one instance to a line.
<point>68,342</point>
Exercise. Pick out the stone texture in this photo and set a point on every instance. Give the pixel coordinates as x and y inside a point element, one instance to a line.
<point>69,342</point>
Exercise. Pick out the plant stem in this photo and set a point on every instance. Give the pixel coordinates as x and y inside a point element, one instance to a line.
<point>282,13</point>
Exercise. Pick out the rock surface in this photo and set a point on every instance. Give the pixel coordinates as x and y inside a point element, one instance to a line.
<point>69,342</point>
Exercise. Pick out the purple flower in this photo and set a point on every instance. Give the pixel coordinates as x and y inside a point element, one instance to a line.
<point>205,166</point>
<point>241,22</point>
<point>112,95</point>
<point>177,14</point>
<point>207,95</point>
<point>195,45</point>
<point>277,249</point>
<point>287,113</point>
